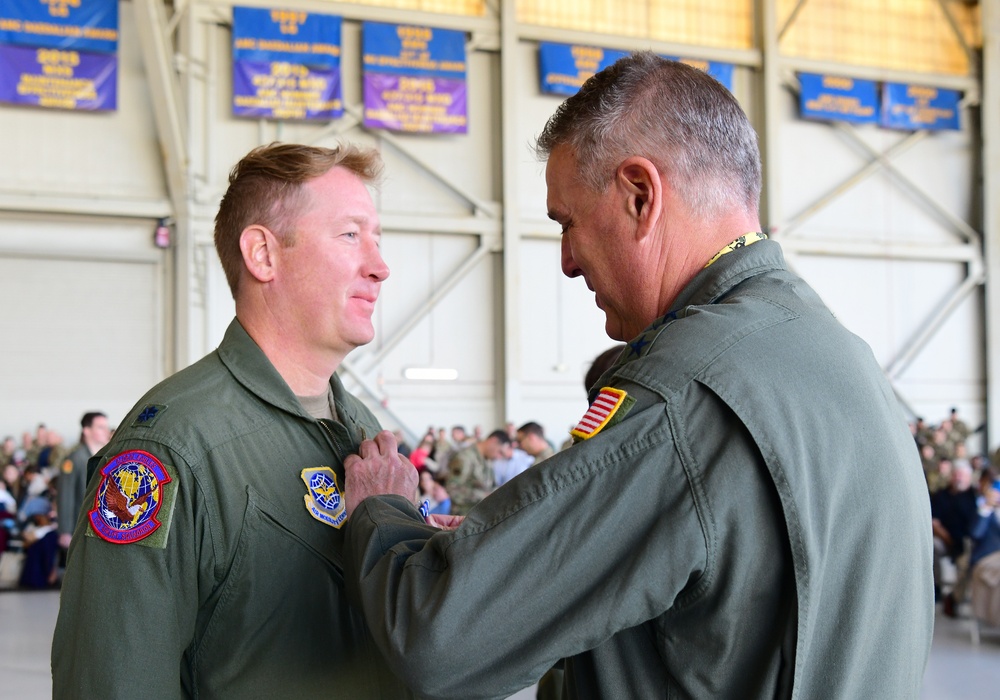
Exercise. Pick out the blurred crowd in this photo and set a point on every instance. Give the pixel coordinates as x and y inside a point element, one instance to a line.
<point>458,469</point>
<point>41,494</point>
<point>965,510</point>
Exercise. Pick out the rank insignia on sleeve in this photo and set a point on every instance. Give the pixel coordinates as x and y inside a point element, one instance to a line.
<point>324,499</point>
<point>129,497</point>
<point>608,408</point>
<point>67,467</point>
<point>148,414</point>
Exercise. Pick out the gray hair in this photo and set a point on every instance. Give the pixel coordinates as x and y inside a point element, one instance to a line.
<point>684,121</point>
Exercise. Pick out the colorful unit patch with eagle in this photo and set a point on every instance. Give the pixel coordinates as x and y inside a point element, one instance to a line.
<point>129,497</point>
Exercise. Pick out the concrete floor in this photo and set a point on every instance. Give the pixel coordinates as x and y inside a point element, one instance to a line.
<point>957,669</point>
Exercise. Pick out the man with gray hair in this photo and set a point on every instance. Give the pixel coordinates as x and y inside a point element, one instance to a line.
<point>710,534</point>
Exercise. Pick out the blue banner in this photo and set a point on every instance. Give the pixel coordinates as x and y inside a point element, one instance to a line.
<point>415,79</point>
<point>564,68</point>
<point>426,52</point>
<point>916,107</point>
<point>286,64</point>
<point>836,98</point>
<point>269,36</point>
<point>44,77</point>
<point>84,25</point>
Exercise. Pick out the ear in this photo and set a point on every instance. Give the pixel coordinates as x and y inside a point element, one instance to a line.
<point>259,247</point>
<point>640,181</point>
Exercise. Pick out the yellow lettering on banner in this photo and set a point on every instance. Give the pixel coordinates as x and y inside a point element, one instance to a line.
<point>424,84</point>
<point>283,46</point>
<point>406,33</point>
<point>57,90</point>
<point>293,104</point>
<point>922,114</point>
<point>587,52</point>
<point>244,43</point>
<point>10,25</point>
<point>325,49</point>
<point>100,33</point>
<point>571,80</point>
<point>55,57</point>
<point>60,8</point>
<point>289,20</point>
<point>287,69</point>
<point>919,91</point>
<point>840,104</point>
<point>838,82</point>
<point>414,45</point>
<point>440,99</point>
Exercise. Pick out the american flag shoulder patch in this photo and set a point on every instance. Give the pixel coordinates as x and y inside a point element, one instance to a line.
<point>610,404</point>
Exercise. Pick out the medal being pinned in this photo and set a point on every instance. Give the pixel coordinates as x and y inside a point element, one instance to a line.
<point>324,499</point>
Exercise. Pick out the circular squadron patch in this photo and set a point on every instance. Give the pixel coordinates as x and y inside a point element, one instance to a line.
<point>324,500</point>
<point>128,497</point>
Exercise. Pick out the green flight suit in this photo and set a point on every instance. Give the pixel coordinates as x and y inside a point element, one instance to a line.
<point>71,486</point>
<point>470,479</point>
<point>239,591</point>
<point>720,540</point>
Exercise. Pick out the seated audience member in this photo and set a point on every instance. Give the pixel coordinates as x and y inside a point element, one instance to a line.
<point>7,451</point>
<point>511,462</point>
<point>8,510</point>
<point>442,447</point>
<point>35,494</point>
<point>434,492</point>
<point>8,503</point>
<point>941,477</point>
<point>985,532</point>
<point>960,431</point>
<point>421,453</point>
<point>470,471</point>
<point>531,439</point>
<point>985,559</point>
<point>41,547</point>
<point>921,432</point>
<point>929,463</point>
<point>953,512</point>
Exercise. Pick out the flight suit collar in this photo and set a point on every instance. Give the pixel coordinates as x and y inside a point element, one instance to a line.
<point>707,287</point>
<point>728,271</point>
<point>250,367</point>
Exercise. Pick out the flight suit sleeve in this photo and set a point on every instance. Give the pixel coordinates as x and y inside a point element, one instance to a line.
<point>128,609</point>
<point>602,537</point>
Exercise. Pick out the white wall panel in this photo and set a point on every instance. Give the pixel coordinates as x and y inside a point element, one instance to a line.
<point>80,335</point>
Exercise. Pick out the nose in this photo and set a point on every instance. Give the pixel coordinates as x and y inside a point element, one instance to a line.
<point>377,269</point>
<point>569,266</point>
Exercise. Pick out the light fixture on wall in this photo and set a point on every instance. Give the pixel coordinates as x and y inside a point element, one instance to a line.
<point>434,374</point>
<point>161,236</point>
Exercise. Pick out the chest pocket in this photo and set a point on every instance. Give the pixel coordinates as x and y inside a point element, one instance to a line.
<point>281,620</point>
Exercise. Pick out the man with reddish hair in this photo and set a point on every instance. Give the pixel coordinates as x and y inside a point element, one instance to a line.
<point>209,563</point>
